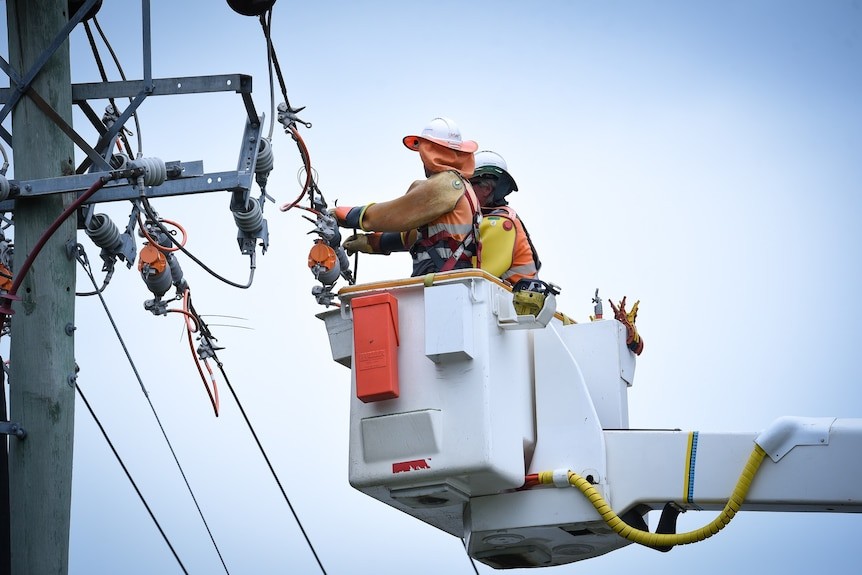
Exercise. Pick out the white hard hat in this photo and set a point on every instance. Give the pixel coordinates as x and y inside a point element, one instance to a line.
<point>492,163</point>
<point>442,131</point>
<point>487,158</point>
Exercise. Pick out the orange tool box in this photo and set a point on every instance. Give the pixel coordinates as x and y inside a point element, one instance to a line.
<point>375,346</point>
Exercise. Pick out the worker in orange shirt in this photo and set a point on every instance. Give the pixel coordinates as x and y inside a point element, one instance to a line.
<point>437,220</point>
<point>507,251</point>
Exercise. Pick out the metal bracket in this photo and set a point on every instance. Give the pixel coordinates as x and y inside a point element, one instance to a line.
<point>9,428</point>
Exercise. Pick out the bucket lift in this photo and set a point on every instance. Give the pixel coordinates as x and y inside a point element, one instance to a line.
<point>511,431</point>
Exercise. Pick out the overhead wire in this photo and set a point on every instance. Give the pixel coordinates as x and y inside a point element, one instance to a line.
<point>122,134</point>
<point>101,289</point>
<point>266,24</point>
<point>309,186</point>
<point>472,561</point>
<point>269,52</point>
<point>157,222</point>
<point>123,77</point>
<point>131,480</point>
<point>188,307</point>
<point>46,235</point>
<point>81,256</point>
<point>272,64</point>
<point>193,325</point>
<point>19,278</point>
<point>306,160</point>
<point>205,331</point>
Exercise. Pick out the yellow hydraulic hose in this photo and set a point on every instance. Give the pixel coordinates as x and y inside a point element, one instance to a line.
<point>666,539</point>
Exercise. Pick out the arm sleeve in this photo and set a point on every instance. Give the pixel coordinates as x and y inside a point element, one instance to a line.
<point>425,201</point>
<point>392,242</point>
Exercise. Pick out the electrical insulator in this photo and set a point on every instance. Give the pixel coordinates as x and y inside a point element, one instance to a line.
<point>4,188</point>
<point>251,225</point>
<point>324,263</point>
<point>344,263</point>
<point>105,234</point>
<point>250,220</point>
<point>177,276</point>
<point>250,7</point>
<point>155,171</point>
<point>265,162</point>
<point>154,268</point>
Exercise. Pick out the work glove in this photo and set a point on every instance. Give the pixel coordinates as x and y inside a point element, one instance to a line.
<point>349,216</point>
<point>365,243</point>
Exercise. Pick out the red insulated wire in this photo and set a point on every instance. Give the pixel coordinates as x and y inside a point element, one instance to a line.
<point>191,327</point>
<point>312,210</point>
<point>191,321</point>
<point>7,299</point>
<point>175,247</point>
<point>46,235</point>
<point>306,160</point>
<point>213,394</point>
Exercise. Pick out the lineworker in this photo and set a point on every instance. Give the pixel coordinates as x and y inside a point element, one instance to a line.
<point>507,250</point>
<point>437,219</point>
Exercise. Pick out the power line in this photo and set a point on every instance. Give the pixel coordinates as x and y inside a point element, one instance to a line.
<point>157,222</point>
<point>132,481</point>
<point>266,458</point>
<point>83,260</point>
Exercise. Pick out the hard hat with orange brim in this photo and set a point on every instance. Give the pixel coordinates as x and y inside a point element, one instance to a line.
<point>444,132</point>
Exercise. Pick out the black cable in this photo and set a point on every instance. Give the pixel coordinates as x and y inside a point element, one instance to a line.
<point>271,83</point>
<point>123,77</point>
<point>104,76</point>
<point>206,333</point>
<point>153,217</point>
<point>83,260</point>
<point>472,563</point>
<point>129,476</point>
<point>266,25</point>
<point>105,283</point>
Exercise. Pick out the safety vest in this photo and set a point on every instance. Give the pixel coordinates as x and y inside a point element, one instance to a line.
<point>450,241</point>
<point>507,251</point>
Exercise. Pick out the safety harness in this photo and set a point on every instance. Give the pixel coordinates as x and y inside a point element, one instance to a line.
<point>462,251</point>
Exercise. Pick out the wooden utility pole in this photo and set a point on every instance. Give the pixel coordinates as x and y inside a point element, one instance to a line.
<point>42,360</point>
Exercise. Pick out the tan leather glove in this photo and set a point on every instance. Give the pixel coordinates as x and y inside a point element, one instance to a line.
<point>365,243</point>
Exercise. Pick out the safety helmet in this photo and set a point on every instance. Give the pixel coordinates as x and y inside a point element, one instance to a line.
<point>492,163</point>
<point>442,131</point>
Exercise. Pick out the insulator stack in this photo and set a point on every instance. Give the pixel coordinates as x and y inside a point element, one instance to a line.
<point>104,233</point>
<point>251,220</point>
<point>265,162</point>
<point>177,276</point>
<point>155,171</point>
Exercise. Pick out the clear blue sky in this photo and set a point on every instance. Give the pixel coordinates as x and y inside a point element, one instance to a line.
<point>702,157</point>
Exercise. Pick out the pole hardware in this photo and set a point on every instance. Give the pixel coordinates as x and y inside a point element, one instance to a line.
<point>9,428</point>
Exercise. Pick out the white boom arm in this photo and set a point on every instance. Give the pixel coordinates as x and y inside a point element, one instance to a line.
<point>512,431</point>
